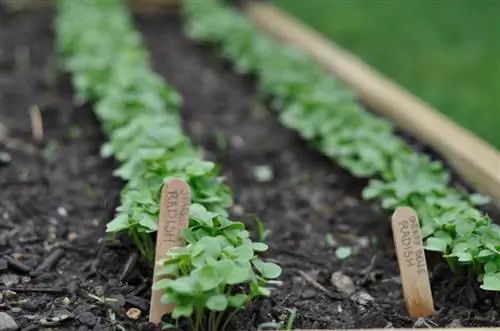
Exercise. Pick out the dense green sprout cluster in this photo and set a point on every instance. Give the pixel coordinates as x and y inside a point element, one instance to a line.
<point>218,271</point>
<point>327,114</point>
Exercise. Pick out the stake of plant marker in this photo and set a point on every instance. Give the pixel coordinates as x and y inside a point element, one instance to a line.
<point>412,263</point>
<point>173,217</point>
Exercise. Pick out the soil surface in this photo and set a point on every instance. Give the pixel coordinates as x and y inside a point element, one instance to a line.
<point>57,271</point>
<point>56,194</point>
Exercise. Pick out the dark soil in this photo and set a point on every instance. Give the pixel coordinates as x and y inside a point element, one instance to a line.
<point>57,195</point>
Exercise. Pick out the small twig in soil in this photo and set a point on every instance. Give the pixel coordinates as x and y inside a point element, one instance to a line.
<point>95,263</point>
<point>14,143</point>
<point>318,286</point>
<point>129,265</point>
<point>421,322</point>
<point>16,264</point>
<point>86,266</point>
<point>137,302</point>
<point>368,270</point>
<point>50,290</point>
<point>36,123</point>
<point>77,249</point>
<point>32,240</point>
<point>103,275</point>
<point>50,262</point>
<point>137,290</point>
<point>301,255</point>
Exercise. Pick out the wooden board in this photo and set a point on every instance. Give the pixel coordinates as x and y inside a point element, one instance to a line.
<point>474,159</point>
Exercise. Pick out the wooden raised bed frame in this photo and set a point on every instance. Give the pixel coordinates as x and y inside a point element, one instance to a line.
<point>474,159</point>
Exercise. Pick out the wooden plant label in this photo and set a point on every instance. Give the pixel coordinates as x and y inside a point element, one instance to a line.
<point>174,216</point>
<point>412,264</point>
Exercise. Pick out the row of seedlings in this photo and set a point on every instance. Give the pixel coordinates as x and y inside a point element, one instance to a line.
<point>219,271</point>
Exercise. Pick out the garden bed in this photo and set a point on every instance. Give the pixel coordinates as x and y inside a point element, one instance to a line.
<point>305,199</point>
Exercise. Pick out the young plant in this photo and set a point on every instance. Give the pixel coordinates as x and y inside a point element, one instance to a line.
<point>216,274</point>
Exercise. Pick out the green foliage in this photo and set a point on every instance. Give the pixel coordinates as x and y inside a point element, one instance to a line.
<point>327,114</point>
<point>208,271</point>
<point>218,271</point>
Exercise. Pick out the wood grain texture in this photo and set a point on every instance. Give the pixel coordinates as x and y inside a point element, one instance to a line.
<point>477,161</point>
<point>412,265</point>
<point>173,217</point>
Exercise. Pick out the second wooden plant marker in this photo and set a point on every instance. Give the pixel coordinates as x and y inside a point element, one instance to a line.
<point>174,216</point>
<point>412,264</point>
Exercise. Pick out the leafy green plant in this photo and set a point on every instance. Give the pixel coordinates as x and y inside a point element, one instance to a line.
<point>326,113</point>
<point>208,272</point>
<point>218,271</point>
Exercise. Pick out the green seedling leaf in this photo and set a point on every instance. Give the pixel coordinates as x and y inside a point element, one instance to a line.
<point>162,284</point>
<point>200,214</point>
<point>211,246</point>
<point>490,267</point>
<point>207,277</point>
<point>170,270</point>
<point>119,223</point>
<point>485,253</point>
<point>491,282</point>
<point>479,199</point>
<point>267,269</point>
<point>237,274</point>
<point>217,302</point>
<point>184,285</point>
<point>259,247</point>
<point>237,300</point>
<point>199,168</point>
<point>189,236</point>
<point>264,291</point>
<point>437,244</point>
<point>180,311</point>
<point>243,253</point>
<point>343,252</point>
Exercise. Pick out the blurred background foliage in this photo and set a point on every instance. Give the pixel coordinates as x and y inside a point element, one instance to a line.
<point>447,52</point>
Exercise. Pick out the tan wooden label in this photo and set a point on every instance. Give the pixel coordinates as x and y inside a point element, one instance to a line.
<point>412,264</point>
<point>174,216</point>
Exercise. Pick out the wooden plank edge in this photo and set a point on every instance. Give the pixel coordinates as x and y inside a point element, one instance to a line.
<point>477,161</point>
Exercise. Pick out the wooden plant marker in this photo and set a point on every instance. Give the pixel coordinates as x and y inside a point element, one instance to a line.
<point>412,264</point>
<point>174,216</point>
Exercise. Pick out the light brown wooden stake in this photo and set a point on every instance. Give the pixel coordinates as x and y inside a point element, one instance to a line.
<point>412,264</point>
<point>174,216</point>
